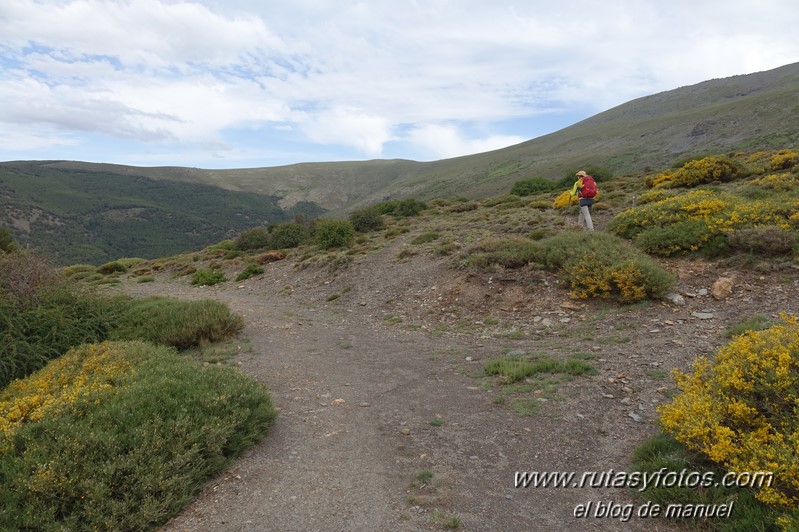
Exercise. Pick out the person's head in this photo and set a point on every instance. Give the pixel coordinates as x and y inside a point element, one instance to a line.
<point>581,173</point>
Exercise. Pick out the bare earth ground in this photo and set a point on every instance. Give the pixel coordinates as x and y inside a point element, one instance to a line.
<point>357,380</point>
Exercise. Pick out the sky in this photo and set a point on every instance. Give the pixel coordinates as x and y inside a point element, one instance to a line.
<point>240,84</point>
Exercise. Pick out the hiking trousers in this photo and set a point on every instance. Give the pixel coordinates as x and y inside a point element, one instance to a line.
<point>584,218</point>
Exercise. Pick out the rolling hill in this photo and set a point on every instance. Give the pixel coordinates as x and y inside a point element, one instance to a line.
<point>748,112</point>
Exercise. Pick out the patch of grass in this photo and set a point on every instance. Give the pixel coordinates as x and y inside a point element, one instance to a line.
<point>514,369</point>
<point>145,279</point>
<point>424,476</point>
<point>392,320</point>
<point>657,374</point>
<point>525,406</point>
<point>445,520</point>
<point>758,322</point>
<point>332,297</point>
<point>437,422</point>
<point>664,454</point>
<point>425,238</point>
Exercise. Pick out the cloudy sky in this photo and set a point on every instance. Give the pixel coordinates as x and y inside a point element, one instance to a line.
<point>226,84</point>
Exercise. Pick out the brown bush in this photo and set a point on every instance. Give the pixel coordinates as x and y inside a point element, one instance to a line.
<point>25,277</point>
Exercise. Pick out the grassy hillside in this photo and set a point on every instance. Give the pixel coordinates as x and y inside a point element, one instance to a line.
<point>750,112</point>
<point>95,216</point>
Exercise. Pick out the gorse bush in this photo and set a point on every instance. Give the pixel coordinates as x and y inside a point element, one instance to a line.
<point>689,222</point>
<point>7,243</point>
<point>783,159</point>
<point>120,436</point>
<point>334,233</point>
<point>601,265</point>
<point>739,409</point>
<point>702,171</point>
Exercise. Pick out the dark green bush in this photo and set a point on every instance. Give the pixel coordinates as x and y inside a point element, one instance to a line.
<point>7,243</point>
<point>289,235</point>
<point>402,208</point>
<point>368,219</point>
<point>534,185</point>
<point>172,322</point>
<point>505,252</point>
<point>668,239</point>
<point>334,233</point>
<point>208,277</point>
<point>256,238</point>
<point>249,271</point>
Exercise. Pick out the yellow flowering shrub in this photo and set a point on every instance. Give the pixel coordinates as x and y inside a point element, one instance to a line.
<point>783,159</point>
<point>81,373</point>
<point>688,222</point>
<point>564,200</point>
<point>780,182</point>
<point>740,408</point>
<point>627,280</point>
<point>701,171</point>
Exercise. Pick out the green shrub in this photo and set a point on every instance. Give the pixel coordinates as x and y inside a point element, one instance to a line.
<point>256,238</point>
<point>249,271</point>
<point>402,208</point>
<point>505,252</point>
<point>173,322</point>
<point>140,433</point>
<point>686,235</point>
<point>7,243</point>
<point>602,265</point>
<point>289,235</point>
<point>766,241</point>
<point>368,219</point>
<point>527,187</point>
<point>334,233</point>
<point>208,277</point>
<point>112,267</point>
<point>145,279</point>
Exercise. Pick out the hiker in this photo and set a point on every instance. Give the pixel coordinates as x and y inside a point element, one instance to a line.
<point>585,189</point>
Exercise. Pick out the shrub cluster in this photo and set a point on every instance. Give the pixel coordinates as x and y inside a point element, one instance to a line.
<point>527,187</point>
<point>173,322</point>
<point>120,436</point>
<point>402,208</point>
<point>208,277</point>
<point>368,219</point>
<point>595,264</point>
<point>700,219</point>
<point>701,171</point>
<point>334,233</point>
<point>739,409</point>
<point>601,265</point>
<point>289,235</point>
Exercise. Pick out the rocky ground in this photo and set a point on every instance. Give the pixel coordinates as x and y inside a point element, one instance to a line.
<point>388,422</point>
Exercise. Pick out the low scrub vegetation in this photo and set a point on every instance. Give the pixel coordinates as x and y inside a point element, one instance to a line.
<point>119,436</point>
<point>334,233</point>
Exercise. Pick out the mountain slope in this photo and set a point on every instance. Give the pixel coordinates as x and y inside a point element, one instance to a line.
<point>751,111</point>
<point>96,216</point>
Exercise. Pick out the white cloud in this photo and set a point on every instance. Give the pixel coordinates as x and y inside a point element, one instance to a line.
<point>444,141</point>
<point>354,74</point>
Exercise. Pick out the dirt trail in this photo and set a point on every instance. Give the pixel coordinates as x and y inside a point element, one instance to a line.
<point>357,394</point>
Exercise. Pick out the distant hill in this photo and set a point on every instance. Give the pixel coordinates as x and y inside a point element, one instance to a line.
<point>80,215</point>
<point>747,112</point>
<point>740,113</point>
